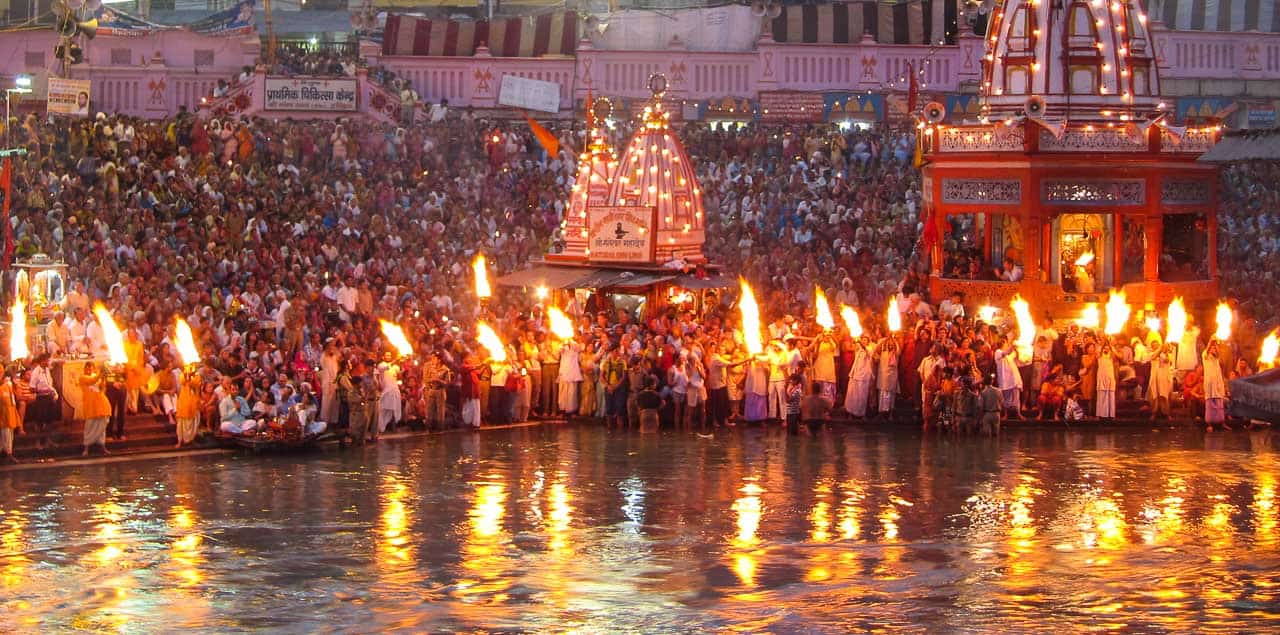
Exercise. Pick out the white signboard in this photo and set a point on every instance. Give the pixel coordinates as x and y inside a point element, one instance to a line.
<point>531,94</point>
<point>68,97</point>
<point>311,94</point>
<point>621,234</point>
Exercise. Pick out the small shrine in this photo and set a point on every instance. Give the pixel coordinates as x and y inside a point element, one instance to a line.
<point>634,225</point>
<point>1072,181</point>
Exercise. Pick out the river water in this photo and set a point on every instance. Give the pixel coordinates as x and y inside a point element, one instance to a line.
<point>577,529</point>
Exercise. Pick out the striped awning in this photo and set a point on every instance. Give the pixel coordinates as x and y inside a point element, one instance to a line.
<point>1217,15</point>
<point>531,36</point>
<point>902,22</point>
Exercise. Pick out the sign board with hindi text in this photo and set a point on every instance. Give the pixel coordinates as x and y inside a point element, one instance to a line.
<point>531,94</point>
<point>311,94</point>
<point>68,97</point>
<point>791,107</point>
<point>617,233</point>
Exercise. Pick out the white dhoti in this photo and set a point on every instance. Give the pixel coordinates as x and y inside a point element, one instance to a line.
<point>187,427</point>
<point>6,441</point>
<point>856,396</point>
<point>886,400</point>
<point>1106,403</point>
<point>95,432</point>
<point>328,401</point>
<point>471,413</point>
<point>389,409</point>
<point>568,396</point>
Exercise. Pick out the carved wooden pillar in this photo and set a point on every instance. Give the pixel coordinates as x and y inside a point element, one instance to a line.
<point>1153,227</point>
<point>1031,246</point>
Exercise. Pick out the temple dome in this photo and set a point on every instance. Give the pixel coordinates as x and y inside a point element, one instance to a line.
<point>1088,60</point>
<point>655,171</point>
<point>596,167</point>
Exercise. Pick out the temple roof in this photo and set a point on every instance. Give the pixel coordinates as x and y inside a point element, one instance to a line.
<point>1079,60</point>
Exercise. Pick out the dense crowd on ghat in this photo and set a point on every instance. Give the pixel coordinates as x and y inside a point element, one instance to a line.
<point>282,244</point>
<point>1249,243</point>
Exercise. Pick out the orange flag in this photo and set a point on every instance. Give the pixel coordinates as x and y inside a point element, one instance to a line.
<point>548,141</point>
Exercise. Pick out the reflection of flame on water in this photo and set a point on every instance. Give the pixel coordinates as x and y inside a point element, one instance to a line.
<point>889,517</point>
<point>820,516</point>
<point>395,548</point>
<point>185,549</point>
<point>1264,508</point>
<point>13,542</point>
<point>560,514</point>
<point>1102,524</point>
<point>749,509</point>
<point>486,538</point>
<point>851,509</point>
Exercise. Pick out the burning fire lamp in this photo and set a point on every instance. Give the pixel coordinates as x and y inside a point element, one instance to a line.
<point>18,331</point>
<point>395,336</point>
<point>185,342</point>
<point>1270,350</point>
<point>491,342</point>
<point>112,334</point>
<point>987,313</point>
<point>481,269</point>
<point>1026,326</point>
<point>559,323</point>
<point>1177,321</point>
<point>851,321</point>
<point>1223,319</point>
<point>1090,316</point>
<point>822,310</point>
<point>750,319</point>
<point>1153,323</point>
<point>1117,313</point>
<point>894,316</point>
<point>540,293</point>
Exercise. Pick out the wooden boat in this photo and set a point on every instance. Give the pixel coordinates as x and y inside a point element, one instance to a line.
<point>1257,396</point>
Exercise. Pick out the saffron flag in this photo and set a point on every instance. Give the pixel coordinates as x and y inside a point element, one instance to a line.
<point>6,189</point>
<point>548,141</point>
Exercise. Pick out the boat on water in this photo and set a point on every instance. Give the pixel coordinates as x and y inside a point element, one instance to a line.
<point>1257,396</point>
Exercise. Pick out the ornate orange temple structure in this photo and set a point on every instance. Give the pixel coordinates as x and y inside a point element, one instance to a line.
<point>634,226</point>
<point>1072,182</point>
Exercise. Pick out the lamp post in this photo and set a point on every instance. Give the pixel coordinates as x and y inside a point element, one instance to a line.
<point>21,86</point>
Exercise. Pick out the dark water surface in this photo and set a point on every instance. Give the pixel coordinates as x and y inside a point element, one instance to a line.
<point>576,529</point>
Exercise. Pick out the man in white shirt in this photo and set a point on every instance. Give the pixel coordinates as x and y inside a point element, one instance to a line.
<point>346,299</point>
<point>952,307</point>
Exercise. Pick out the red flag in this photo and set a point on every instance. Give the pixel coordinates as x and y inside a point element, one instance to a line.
<point>6,185</point>
<point>591,111</point>
<point>913,89</point>
<point>548,141</point>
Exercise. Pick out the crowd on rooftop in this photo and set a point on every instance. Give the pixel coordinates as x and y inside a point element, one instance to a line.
<point>283,242</point>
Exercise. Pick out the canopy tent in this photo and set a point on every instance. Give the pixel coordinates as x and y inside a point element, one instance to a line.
<point>906,22</point>
<point>1245,145</point>
<point>1217,15</point>
<point>547,34</point>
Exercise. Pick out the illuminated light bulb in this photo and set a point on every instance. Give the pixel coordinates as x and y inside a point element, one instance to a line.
<point>653,188</point>
<point>668,220</point>
<point>1106,113</point>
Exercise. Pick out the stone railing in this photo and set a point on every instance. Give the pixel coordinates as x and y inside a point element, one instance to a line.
<point>127,80</point>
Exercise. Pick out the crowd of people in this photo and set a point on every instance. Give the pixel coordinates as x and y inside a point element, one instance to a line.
<point>1249,243</point>
<point>283,242</point>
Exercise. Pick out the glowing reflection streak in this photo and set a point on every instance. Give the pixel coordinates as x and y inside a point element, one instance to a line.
<point>1102,524</point>
<point>103,612</point>
<point>1264,509</point>
<point>486,539</point>
<point>850,509</point>
<point>395,552</point>
<point>13,544</point>
<point>820,516</point>
<point>748,509</point>
<point>1165,523</point>
<point>559,516</point>
<point>185,551</point>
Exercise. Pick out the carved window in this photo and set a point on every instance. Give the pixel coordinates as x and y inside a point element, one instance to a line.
<point>1084,79</point>
<point>1017,80</point>
<point>1020,30</point>
<point>1141,80</point>
<point>1082,32</point>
